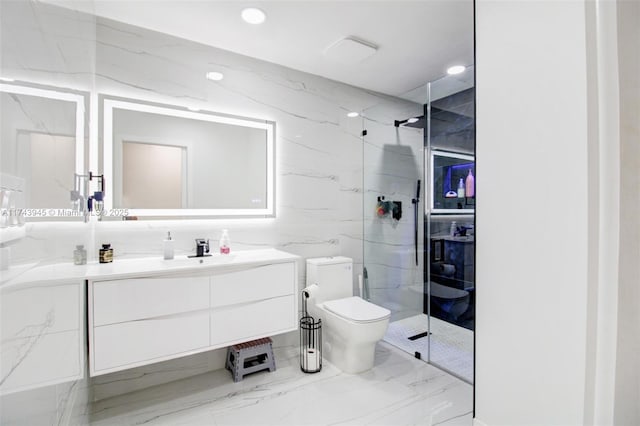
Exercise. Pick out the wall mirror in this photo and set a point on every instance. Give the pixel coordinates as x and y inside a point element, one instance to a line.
<point>160,160</point>
<point>42,145</point>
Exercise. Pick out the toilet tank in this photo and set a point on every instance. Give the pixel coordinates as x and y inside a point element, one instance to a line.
<point>334,276</point>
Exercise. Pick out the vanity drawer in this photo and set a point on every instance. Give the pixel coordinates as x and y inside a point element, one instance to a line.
<point>141,298</point>
<point>252,320</point>
<point>258,283</point>
<point>126,345</point>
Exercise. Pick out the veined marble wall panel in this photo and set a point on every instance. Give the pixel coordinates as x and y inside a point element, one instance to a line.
<point>47,44</point>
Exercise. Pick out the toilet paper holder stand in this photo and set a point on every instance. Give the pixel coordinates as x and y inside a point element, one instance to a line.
<point>310,340</point>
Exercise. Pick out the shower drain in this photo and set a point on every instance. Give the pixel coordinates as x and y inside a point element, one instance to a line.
<point>419,336</point>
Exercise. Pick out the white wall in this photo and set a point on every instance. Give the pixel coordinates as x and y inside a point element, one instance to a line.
<point>627,392</point>
<point>557,312</point>
<point>532,158</point>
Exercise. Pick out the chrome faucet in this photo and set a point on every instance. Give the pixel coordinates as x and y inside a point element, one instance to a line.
<point>202,247</point>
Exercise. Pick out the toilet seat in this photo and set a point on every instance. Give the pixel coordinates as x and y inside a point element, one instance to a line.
<point>357,310</point>
<point>445,292</point>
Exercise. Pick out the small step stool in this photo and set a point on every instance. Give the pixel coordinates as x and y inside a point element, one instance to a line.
<point>249,357</point>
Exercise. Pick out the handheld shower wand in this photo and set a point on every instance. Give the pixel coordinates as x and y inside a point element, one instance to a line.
<point>415,203</point>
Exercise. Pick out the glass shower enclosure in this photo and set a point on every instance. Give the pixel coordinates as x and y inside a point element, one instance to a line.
<point>419,228</point>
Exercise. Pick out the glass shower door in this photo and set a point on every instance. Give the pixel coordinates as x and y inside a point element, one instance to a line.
<point>419,228</point>
<point>393,196</point>
<point>450,222</point>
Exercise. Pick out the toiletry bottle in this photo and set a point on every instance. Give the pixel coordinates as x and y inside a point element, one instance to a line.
<point>225,242</point>
<point>80,255</point>
<point>168,247</point>
<point>106,254</point>
<point>454,228</point>
<point>461,189</point>
<point>469,186</point>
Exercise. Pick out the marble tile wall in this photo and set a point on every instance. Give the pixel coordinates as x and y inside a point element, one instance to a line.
<point>319,155</point>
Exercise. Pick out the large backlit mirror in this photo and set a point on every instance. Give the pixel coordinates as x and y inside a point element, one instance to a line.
<point>43,134</point>
<point>168,161</point>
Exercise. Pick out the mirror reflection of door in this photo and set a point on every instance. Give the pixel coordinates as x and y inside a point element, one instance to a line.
<point>154,176</point>
<point>47,161</point>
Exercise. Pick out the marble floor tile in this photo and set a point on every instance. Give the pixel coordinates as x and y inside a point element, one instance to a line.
<point>399,390</point>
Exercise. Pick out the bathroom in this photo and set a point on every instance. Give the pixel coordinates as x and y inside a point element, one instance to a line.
<point>317,202</point>
<point>112,72</point>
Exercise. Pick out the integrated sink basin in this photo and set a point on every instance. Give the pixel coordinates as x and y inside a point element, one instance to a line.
<point>214,259</point>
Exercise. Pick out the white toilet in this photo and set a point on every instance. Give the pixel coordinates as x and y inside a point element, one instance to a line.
<point>351,326</point>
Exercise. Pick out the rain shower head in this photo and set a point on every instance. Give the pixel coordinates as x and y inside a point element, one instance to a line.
<point>417,122</point>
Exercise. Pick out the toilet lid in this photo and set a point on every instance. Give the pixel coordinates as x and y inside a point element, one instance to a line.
<point>356,309</point>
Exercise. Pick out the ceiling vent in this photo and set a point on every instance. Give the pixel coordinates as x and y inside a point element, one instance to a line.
<point>350,50</point>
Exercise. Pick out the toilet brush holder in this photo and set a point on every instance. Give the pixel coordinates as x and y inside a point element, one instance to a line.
<point>310,340</point>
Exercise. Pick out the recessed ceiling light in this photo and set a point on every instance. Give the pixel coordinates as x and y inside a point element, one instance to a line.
<point>352,114</point>
<point>214,75</point>
<point>413,120</point>
<point>253,15</point>
<point>456,69</point>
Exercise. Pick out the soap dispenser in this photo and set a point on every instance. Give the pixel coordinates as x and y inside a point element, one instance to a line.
<point>461,189</point>
<point>225,242</point>
<point>168,247</point>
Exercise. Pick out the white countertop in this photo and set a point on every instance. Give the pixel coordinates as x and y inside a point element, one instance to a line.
<point>147,266</point>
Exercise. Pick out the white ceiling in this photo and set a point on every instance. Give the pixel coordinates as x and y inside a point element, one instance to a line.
<point>417,40</point>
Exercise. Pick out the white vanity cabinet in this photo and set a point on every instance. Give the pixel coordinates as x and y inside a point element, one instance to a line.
<point>139,320</point>
<point>254,303</point>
